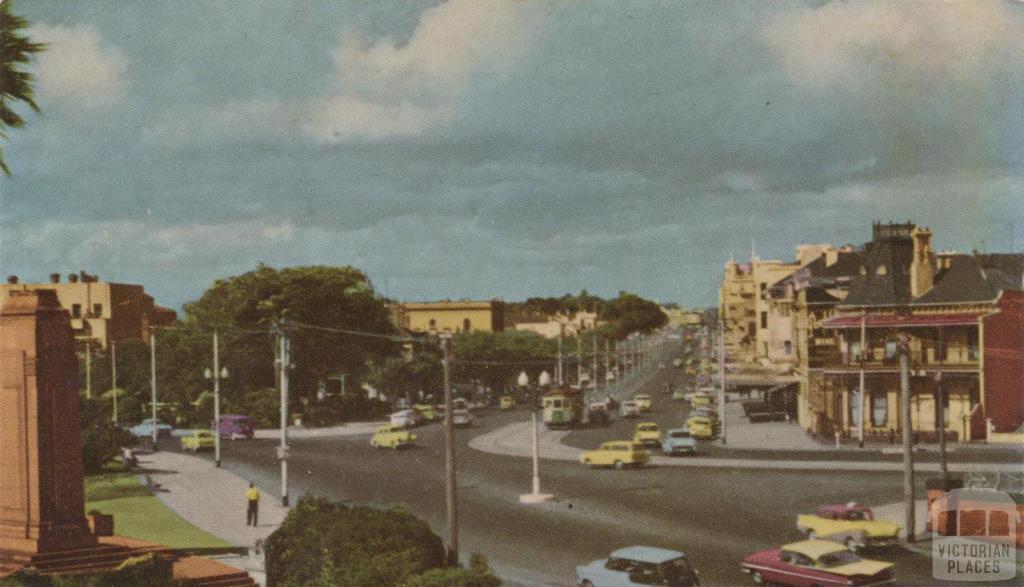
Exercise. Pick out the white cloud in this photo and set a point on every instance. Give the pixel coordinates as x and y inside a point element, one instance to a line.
<point>77,66</point>
<point>867,44</point>
<point>391,88</point>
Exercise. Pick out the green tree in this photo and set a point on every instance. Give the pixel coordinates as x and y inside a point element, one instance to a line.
<point>15,82</point>
<point>631,313</point>
<point>496,358</point>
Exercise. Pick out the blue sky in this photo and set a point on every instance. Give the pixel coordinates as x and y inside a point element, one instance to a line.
<point>489,149</point>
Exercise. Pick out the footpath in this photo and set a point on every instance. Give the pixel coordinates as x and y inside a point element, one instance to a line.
<point>213,499</point>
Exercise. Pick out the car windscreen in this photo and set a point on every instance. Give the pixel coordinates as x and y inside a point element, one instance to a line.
<point>838,558</point>
<point>680,435</point>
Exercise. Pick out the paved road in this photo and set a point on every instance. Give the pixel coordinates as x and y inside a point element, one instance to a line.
<point>715,515</point>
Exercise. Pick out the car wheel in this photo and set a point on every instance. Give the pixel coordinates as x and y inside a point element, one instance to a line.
<point>586,461</point>
<point>586,583</point>
<point>373,444</point>
<point>757,578</point>
<point>812,535</point>
<point>620,465</point>
<point>851,544</point>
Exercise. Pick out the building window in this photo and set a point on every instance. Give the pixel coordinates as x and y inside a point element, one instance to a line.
<point>890,350</point>
<point>764,319</point>
<point>854,407</point>
<point>466,324</point>
<point>788,347</point>
<point>879,409</point>
<point>433,324</point>
<point>76,310</point>
<point>972,345</point>
<point>855,351</point>
<point>97,309</point>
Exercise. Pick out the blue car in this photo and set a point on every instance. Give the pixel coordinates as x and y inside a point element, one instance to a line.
<point>678,441</point>
<point>638,565</point>
<point>145,428</point>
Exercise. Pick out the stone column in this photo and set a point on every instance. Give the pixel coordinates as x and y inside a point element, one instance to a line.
<point>42,496</point>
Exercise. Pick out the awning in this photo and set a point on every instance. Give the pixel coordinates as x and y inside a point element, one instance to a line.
<point>899,321</point>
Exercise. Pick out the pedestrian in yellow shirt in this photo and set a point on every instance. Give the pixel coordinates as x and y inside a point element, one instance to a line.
<point>252,496</point>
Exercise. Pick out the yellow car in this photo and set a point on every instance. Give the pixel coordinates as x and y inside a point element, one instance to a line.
<point>648,434</point>
<point>619,454</point>
<point>507,402</point>
<point>851,524</point>
<point>700,400</point>
<point>198,440</point>
<point>643,401</point>
<point>701,427</point>
<point>428,411</point>
<point>392,437</point>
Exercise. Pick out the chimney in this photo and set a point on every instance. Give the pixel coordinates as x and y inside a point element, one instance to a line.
<point>12,279</point>
<point>73,277</point>
<point>922,267</point>
<point>55,278</point>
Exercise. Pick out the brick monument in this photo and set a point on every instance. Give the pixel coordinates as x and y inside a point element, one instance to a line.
<point>42,501</point>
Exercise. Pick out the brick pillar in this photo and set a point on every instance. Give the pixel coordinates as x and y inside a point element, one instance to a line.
<point>42,496</point>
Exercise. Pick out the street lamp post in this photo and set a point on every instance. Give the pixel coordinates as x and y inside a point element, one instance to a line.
<point>535,496</point>
<point>216,374</point>
<point>113,377</point>
<point>152,382</point>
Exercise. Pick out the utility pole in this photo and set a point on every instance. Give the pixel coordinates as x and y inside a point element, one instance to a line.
<point>607,362</point>
<point>449,451</point>
<point>940,396</point>
<point>559,377</point>
<point>152,381</point>
<point>579,359</point>
<point>88,368</point>
<point>721,374</point>
<point>113,376</point>
<point>861,395</point>
<point>908,439</point>
<point>596,379</point>
<point>282,450</point>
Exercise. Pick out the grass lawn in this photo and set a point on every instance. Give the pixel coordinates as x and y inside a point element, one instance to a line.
<point>139,514</point>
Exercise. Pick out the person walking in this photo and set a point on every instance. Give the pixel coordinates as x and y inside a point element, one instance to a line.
<point>252,497</point>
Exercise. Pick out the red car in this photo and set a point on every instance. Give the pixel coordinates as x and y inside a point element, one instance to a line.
<point>815,562</point>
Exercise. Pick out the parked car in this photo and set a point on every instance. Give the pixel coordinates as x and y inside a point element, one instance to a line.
<point>462,418</point>
<point>145,428</point>
<point>507,402</point>
<point>429,412</point>
<point>198,440</point>
<point>598,414</point>
<point>392,437</point>
<point>629,409</point>
<point>643,402</point>
<point>617,453</point>
<point>647,434</point>
<point>677,441</point>
<point>235,427</point>
<point>815,562</point>
<point>701,427</point>
<point>851,524</point>
<point>708,413</point>
<point>638,565</point>
<point>406,418</point>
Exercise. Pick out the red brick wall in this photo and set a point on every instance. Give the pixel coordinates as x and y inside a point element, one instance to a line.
<point>1003,346</point>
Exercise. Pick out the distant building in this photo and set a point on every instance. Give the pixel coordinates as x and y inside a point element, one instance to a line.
<point>567,325</point>
<point>684,317</point>
<point>101,312</point>
<point>449,316</point>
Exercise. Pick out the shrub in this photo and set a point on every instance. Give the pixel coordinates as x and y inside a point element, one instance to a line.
<point>477,575</point>
<point>321,543</point>
<point>152,570</point>
<point>101,440</point>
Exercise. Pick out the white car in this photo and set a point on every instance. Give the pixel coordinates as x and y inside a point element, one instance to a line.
<point>629,409</point>
<point>406,418</point>
<point>462,418</point>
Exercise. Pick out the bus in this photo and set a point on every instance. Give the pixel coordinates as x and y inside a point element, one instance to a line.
<point>563,407</point>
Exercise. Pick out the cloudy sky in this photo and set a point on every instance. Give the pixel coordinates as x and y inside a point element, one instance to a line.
<point>479,149</point>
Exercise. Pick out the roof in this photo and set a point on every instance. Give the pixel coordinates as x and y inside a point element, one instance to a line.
<point>461,305</point>
<point>885,280</point>
<point>891,320</point>
<point>647,554</point>
<point>975,278</point>
<point>814,548</point>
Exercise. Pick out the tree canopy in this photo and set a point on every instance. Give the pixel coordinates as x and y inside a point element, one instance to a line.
<point>16,50</point>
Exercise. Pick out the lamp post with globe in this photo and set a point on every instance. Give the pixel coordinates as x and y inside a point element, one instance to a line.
<point>535,496</point>
<point>217,373</point>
